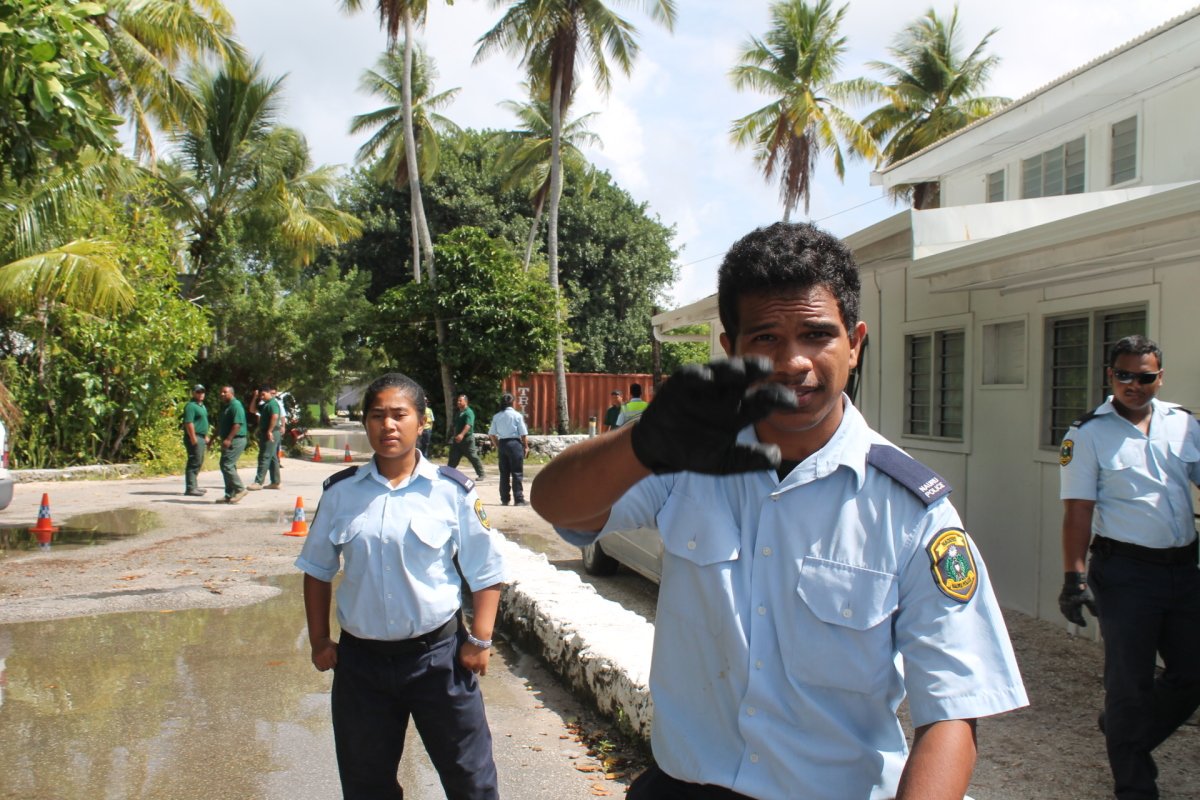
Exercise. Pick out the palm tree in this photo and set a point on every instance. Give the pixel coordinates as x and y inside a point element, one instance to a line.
<point>932,91</point>
<point>406,14</point>
<point>526,153</point>
<point>238,164</point>
<point>551,36</point>
<point>387,81</point>
<point>797,64</point>
<point>149,40</point>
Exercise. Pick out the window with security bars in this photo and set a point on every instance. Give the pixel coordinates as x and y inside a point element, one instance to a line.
<point>1077,353</point>
<point>935,384</point>
<point>1124,151</point>
<point>1054,172</point>
<point>995,186</point>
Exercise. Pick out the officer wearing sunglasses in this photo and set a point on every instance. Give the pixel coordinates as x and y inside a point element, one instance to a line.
<point>1125,472</point>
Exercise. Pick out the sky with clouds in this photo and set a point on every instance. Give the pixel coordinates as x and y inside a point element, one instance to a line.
<point>665,129</point>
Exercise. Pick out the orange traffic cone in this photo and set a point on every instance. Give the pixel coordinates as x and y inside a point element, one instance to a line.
<point>317,453</point>
<point>44,528</point>
<point>299,526</point>
<point>279,454</point>
<point>348,457</point>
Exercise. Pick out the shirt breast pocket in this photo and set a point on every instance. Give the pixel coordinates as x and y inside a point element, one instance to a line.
<point>426,544</point>
<point>1185,451</point>
<point>702,544</point>
<point>837,632</point>
<point>1119,471</point>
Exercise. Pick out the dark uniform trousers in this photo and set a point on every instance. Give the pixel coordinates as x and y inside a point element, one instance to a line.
<point>654,784</point>
<point>465,448</point>
<point>195,460</point>
<point>1148,603</point>
<point>377,686</point>
<point>512,468</point>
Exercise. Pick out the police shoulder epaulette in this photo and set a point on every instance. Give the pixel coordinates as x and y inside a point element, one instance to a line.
<point>1084,420</point>
<point>462,480</point>
<point>339,476</point>
<point>905,470</point>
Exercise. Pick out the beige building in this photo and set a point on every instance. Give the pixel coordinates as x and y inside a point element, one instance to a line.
<point>1068,220</point>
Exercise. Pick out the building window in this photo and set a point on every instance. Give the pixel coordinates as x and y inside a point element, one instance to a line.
<point>995,186</point>
<point>1004,353</point>
<point>1124,150</point>
<point>1077,351</point>
<point>935,381</point>
<point>1054,172</point>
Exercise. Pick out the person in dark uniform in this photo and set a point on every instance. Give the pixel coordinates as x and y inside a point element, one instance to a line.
<point>195,431</point>
<point>268,435</point>
<point>814,576</point>
<point>1126,470</point>
<point>510,437</point>
<point>613,412</point>
<point>462,441</point>
<point>401,529</point>
<point>231,432</point>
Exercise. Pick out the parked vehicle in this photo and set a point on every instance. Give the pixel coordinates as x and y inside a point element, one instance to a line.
<point>6,480</point>
<point>640,550</point>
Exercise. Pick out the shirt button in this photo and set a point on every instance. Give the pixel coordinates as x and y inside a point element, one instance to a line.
<point>691,545</point>
<point>767,551</point>
<point>847,613</point>
<point>762,611</point>
<point>754,758</point>
<point>758,664</point>
<point>751,711</point>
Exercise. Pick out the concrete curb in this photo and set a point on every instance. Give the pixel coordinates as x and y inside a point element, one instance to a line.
<point>598,648</point>
<point>96,471</point>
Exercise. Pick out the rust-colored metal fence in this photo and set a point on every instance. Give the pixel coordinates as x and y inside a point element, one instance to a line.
<point>589,394</point>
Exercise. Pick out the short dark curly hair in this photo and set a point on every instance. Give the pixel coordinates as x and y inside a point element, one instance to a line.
<point>787,257</point>
<point>1135,345</point>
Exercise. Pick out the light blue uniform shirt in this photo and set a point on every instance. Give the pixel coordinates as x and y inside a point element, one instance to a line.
<point>1138,482</point>
<point>794,615</point>
<point>508,424</point>
<point>397,547</point>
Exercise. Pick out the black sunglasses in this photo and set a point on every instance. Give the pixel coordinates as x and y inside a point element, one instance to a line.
<point>1144,378</point>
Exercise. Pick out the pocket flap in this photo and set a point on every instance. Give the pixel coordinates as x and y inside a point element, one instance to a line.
<point>852,597</point>
<point>699,532</point>
<point>432,531</point>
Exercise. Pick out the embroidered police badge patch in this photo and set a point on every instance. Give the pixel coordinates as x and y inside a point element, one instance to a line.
<point>953,564</point>
<point>1066,452</point>
<point>479,512</point>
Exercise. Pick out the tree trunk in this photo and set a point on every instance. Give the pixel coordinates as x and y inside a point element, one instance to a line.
<point>533,229</point>
<point>560,369</point>
<point>418,207</point>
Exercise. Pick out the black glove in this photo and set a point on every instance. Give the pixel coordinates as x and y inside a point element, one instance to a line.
<point>693,422</point>
<point>1074,596</point>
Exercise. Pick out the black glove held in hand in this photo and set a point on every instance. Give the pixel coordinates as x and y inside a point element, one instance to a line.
<point>1074,596</point>
<point>693,422</point>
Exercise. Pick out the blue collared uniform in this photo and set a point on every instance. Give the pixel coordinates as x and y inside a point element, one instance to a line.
<point>509,429</point>
<point>397,607</point>
<point>1144,575</point>
<point>795,615</point>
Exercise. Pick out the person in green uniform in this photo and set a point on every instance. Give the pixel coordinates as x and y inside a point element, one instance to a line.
<point>614,411</point>
<point>231,430</point>
<point>268,437</point>
<point>195,429</point>
<point>462,443</point>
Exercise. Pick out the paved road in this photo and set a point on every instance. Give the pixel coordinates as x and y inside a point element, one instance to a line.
<point>159,702</point>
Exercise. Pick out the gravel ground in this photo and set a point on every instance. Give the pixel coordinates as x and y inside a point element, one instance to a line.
<point>202,557</point>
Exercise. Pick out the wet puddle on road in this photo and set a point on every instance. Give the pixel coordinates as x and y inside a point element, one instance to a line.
<point>82,530</point>
<point>205,703</point>
<point>333,445</point>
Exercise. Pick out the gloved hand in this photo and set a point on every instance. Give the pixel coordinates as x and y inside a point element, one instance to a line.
<point>693,422</point>
<point>1074,596</point>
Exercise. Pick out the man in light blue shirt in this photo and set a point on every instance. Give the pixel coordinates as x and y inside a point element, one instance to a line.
<point>1127,470</point>
<point>813,574</point>
<point>510,437</point>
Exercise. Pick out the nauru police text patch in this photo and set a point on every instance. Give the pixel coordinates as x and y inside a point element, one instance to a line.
<point>1066,452</point>
<point>479,512</point>
<point>953,564</point>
